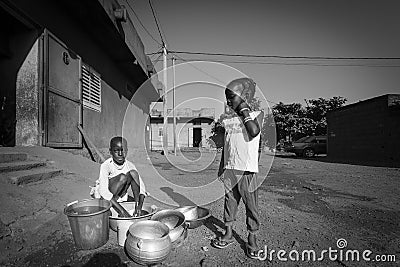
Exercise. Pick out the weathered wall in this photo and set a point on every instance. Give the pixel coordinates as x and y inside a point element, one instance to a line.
<point>367,132</point>
<point>185,112</point>
<point>85,29</point>
<point>17,42</point>
<point>86,33</point>
<point>184,135</point>
<point>111,121</point>
<point>27,105</point>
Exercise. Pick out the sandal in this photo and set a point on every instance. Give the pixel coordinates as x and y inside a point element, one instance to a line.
<point>253,253</point>
<point>219,243</point>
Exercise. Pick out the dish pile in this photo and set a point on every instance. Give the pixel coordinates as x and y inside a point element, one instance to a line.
<point>175,221</point>
<point>195,216</point>
<point>150,240</point>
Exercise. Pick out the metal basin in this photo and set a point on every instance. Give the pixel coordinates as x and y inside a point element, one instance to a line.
<point>175,221</point>
<point>194,215</point>
<point>89,221</point>
<point>116,221</point>
<point>148,242</point>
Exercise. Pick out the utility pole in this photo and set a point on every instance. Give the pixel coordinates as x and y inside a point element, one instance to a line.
<point>173,103</point>
<point>165,107</point>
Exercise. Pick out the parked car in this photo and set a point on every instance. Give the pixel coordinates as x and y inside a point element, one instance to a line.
<point>308,146</point>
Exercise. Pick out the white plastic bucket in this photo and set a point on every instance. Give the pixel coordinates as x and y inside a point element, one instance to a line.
<point>122,231</point>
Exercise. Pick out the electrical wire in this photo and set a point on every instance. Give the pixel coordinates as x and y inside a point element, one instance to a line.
<point>137,17</point>
<point>182,59</point>
<point>293,64</point>
<point>204,72</point>
<point>320,58</point>
<point>158,27</point>
<point>285,57</point>
<point>157,53</point>
<point>154,53</point>
<point>156,60</point>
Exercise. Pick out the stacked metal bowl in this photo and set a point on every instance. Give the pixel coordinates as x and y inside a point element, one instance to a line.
<point>150,241</point>
<point>175,221</point>
<point>195,216</point>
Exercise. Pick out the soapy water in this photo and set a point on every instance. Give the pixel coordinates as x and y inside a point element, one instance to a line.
<point>143,213</point>
<point>131,212</point>
<point>86,210</point>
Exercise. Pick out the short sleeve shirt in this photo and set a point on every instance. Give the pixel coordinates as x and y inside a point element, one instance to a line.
<point>108,170</point>
<point>240,151</point>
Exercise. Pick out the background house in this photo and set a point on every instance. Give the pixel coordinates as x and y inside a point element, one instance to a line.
<point>193,128</point>
<point>67,63</point>
<point>367,132</point>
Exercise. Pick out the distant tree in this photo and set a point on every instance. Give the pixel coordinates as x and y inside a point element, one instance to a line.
<point>286,118</point>
<point>317,109</point>
<point>294,121</point>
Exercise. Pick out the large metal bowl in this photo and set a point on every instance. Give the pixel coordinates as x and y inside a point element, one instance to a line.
<point>148,242</point>
<point>115,221</point>
<point>195,216</point>
<point>175,221</point>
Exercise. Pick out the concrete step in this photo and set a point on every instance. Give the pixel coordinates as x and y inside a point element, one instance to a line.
<point>12,156</point>
<point>20,165</point>
<point>32,175</point>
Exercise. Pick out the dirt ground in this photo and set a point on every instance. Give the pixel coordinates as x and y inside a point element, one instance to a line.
<point>305,205</point>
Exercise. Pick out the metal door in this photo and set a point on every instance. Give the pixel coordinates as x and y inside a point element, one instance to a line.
<point>62,94</point>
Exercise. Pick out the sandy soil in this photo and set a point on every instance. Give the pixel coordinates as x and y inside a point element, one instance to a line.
<point>304,205</point>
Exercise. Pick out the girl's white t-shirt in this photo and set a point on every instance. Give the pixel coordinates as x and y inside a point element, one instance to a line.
<point>240,152</point>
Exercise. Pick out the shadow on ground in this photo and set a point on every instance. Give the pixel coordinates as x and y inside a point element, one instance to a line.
<point>105,259</point>
<point>179,199</point>
<point>320,158</point>
<point>326,158</point>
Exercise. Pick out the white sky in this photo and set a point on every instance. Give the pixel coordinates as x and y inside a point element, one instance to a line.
<point>331,28</point>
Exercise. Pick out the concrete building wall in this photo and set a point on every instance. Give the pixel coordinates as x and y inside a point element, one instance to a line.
<point>136,123</point>
<point>367,132</point>
<point>184,133</point>
<point>15,44</point>
<point>117,117</point>
<point>120,80</point>
<point>184,112</point>
<point>27,100</point>
<point>100,126</point>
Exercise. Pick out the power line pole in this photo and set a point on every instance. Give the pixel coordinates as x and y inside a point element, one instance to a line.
<point>165,107</point>
<point>173,103</point>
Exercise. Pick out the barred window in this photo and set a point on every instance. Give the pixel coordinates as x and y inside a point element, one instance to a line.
<point>91,88</point>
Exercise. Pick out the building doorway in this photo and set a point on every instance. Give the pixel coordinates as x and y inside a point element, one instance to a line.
<point>18,36</point>
<point>196,137</point>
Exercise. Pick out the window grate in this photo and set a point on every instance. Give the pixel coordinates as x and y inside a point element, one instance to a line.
<point>91,89</point>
